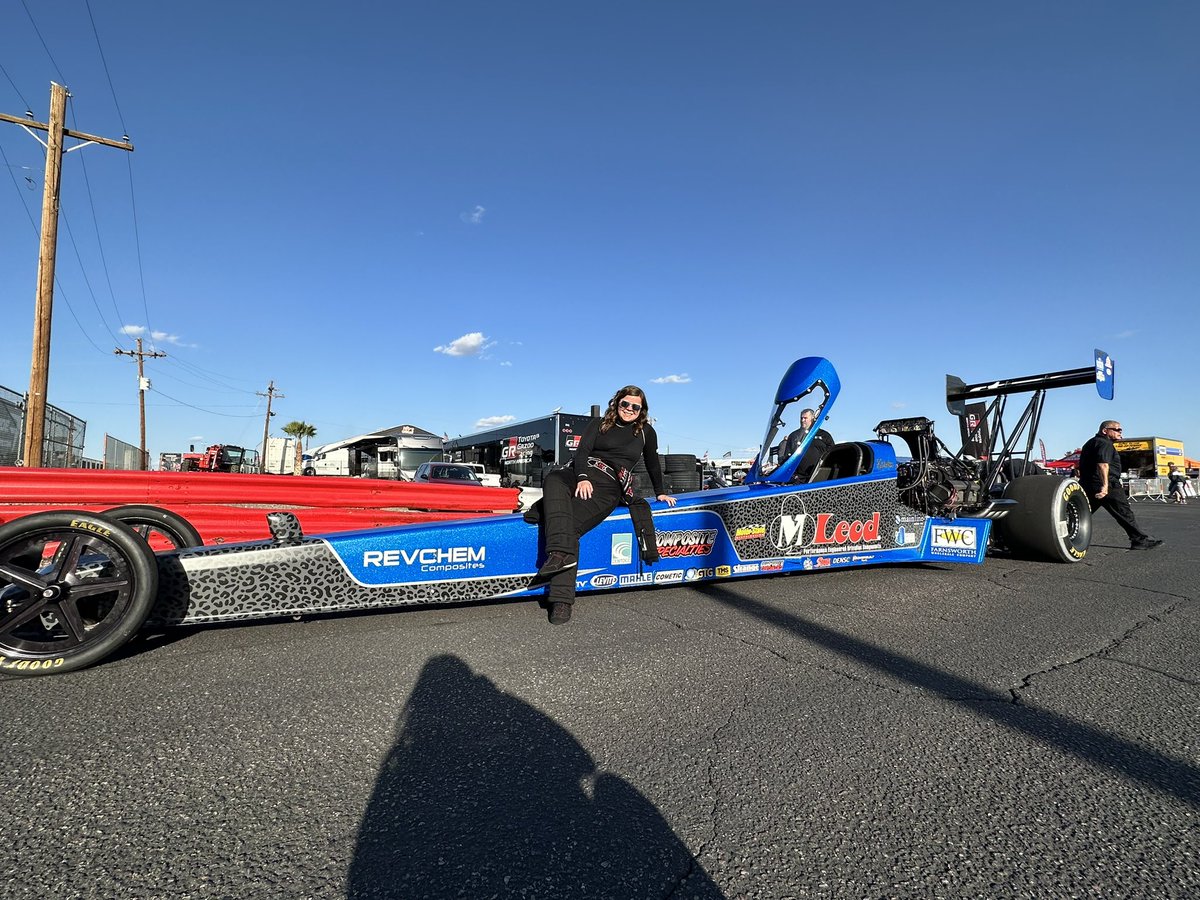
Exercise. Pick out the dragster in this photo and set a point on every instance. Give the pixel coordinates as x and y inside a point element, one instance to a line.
<point>75,586</point>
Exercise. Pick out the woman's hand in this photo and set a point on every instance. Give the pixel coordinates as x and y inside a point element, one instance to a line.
<point>583,490</point>
<point>666,498</point>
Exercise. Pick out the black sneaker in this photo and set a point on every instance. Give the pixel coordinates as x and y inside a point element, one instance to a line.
<point>560,613</point>
<point>555,562</point>
<point>1147,544</point>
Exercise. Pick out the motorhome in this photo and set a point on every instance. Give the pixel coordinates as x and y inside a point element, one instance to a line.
<point>392,453</point>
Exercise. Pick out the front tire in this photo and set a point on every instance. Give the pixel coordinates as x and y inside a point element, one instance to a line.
<point>158,527</point>
<point>74,587</point>
<point>1052,519</point>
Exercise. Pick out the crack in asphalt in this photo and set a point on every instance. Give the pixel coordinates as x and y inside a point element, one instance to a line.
<point>714,786</point>
<point>1101,653</point>
<point>1191,682</point>
<point>783,657</point>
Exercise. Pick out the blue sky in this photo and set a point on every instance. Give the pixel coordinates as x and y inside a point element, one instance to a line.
<point>451,214</point>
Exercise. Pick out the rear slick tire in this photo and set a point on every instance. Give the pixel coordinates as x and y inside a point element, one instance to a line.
<point>1052,519</point>
<point>74,587</point>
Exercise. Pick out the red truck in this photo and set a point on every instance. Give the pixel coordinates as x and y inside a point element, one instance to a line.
<point>220,458</point>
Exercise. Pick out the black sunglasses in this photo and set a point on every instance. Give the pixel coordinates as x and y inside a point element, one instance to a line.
<point>633,407</point>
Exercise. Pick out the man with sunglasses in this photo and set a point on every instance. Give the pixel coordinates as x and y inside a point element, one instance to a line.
<point>1100,475</point>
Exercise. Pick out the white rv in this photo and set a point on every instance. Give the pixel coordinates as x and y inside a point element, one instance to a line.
<point>392,453</point>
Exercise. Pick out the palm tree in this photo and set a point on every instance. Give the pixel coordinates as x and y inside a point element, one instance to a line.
<point>299,430</point>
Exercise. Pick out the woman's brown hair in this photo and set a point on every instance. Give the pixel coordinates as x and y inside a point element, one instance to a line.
<point>610,415</point>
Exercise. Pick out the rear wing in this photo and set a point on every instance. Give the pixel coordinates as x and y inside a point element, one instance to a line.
<point>1101,372</point>
<point>997,448</point>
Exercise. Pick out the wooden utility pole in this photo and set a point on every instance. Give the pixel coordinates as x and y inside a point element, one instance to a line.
<point>39,369</point>
<point>143,386</point>
<point>270,395</point>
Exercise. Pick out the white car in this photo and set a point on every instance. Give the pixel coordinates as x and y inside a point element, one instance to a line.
<point>489,479</point>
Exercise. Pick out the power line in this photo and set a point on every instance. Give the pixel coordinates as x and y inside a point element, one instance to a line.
<point>210,412</point>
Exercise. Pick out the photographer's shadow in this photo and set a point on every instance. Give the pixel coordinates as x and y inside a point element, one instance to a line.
<point>482,796</point>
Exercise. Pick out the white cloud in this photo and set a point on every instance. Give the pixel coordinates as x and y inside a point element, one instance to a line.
<point>155,337</point>
<point>474,217</point>
<point>493,422</point>
<point>506,363</point>
<point>672,379</point>
<point>471,344</point>
<point>1122,335</point>
<point>899,405</point>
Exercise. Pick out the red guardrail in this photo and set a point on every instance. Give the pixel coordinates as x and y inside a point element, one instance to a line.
<point>226,508</point>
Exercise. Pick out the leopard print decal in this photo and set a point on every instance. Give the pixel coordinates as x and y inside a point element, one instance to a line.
<point>226,584</point>
<point>794,523</point>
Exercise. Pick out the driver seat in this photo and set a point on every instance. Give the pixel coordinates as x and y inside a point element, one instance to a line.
<point>841,461</point>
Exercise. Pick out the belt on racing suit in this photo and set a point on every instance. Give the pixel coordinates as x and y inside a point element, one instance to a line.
<point>623,477</point>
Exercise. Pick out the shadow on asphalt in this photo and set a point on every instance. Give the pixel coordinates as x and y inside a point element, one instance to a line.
<point>484,796</point>
<point>1098,747</point>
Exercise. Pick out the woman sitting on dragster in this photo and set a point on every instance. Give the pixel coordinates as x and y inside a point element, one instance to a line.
<point>575,500</point>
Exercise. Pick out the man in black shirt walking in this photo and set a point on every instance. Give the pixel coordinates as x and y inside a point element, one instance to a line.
<point>1100,475</point>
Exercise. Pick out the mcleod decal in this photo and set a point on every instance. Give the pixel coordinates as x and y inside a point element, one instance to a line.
<point>845,531</point>
<point>686,543</point>
<point>429,559</point>
<point>792,532</point>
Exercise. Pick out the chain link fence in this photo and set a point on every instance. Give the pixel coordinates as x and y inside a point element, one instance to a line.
<point>119,454</point>
<point>62,446</point>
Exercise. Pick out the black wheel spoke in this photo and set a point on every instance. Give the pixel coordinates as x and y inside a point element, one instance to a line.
<point>69,618</point>
<point>98,586</point>
<point>66,560</point>
<point>24,578</point>
<point>21,616</point>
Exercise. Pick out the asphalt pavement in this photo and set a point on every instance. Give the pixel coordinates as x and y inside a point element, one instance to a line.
<point>1016,729</point>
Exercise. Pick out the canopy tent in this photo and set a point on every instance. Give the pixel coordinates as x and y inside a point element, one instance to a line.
<point>1067,462</point>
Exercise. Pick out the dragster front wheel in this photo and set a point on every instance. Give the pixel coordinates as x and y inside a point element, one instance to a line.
<point>158,527</point>
<point>1052,519</point>
<point>74,586</point>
